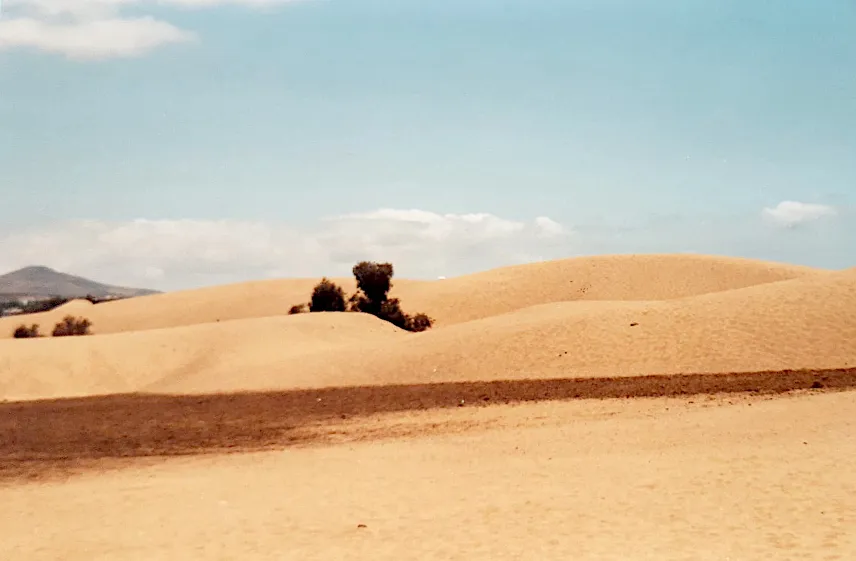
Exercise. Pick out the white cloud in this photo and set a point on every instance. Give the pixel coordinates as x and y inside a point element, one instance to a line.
<point>790,214</point>
<point>549,228</point>
<point>96,29</point>
<point>171,254</point>
<point>91,40</point>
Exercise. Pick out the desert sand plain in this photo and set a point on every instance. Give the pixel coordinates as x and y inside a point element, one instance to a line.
<point>614,407</point>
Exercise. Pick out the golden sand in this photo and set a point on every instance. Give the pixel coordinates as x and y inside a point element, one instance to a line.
<point>368,457</point>
<point>626,324</point>
<point>627,479</point>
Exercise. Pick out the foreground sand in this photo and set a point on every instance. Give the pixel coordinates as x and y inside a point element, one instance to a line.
<point>716,478</point>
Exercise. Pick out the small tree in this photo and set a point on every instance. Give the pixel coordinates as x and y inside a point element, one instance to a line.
<point>24,332</point>
<point>374,280</point>
<point>297,309</point>
<point>72,326</point>
<point>327,296</point>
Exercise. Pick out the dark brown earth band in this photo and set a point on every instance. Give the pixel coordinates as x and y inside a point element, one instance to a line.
<point>37,436</point>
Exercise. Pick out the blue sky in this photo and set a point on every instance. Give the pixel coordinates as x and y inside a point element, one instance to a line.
<point>187,142</point>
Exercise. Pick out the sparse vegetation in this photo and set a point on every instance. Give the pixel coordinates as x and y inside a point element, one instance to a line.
<point>327,296</point>
<point>298,309</point>
<point>33,306</point>
<point>22,306</point>
<point>25,332</point>
<point>71,325</point>
<point>419,322</point>
<point>374,281</point>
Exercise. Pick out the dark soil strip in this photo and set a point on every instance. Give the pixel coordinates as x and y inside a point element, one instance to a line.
<point>41,436</point>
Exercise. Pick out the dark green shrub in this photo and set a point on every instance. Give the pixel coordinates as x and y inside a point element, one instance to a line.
<point>419,322</point>
<point>391,311</point>
<point>327,296</point>
<point>71,325</point>
<point>24,332</point>
<point>374,281</point>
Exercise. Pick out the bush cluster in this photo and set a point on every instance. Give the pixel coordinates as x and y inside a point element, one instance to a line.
<point>48,304</point>
<point>24,332</point>
<point>374,281</point>
<point>69,326</point>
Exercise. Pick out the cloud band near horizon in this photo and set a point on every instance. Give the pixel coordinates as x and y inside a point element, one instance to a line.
<point>185,253</point>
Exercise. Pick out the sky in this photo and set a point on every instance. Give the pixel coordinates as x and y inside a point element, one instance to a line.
<point>171,144</point>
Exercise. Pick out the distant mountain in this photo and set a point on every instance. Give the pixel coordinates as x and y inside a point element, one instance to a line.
<point>43,282</point>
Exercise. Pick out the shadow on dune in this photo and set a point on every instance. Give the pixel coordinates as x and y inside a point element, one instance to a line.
<point>51,437</point>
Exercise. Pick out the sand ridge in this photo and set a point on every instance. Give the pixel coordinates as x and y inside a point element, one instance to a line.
<point>595,278</point>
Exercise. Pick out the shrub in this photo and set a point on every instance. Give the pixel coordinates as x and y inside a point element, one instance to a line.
<point>391,311</point>
<point>374,281</point>
<point>72,326</point>
<point>298,309</point>
<point>24,332</point>
<point>418,323</point>
<point>327,296</point>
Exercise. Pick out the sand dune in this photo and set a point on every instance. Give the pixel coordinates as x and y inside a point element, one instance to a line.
<point>802,323</point>
<point>607,277</point>
<point>124,362</point>
<point>189,307</point>
<point>455,300</point>
<point>807,322</point>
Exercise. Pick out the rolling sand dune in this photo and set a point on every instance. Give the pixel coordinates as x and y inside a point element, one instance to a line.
<point>802,323</point>
<point>620,277</point>
<point>807,322</point>
<point>608,277</point>
<point>125,362</point>
<point>189,307</point>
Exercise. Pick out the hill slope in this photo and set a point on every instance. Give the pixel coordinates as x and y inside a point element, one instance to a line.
<point>45,282</point>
